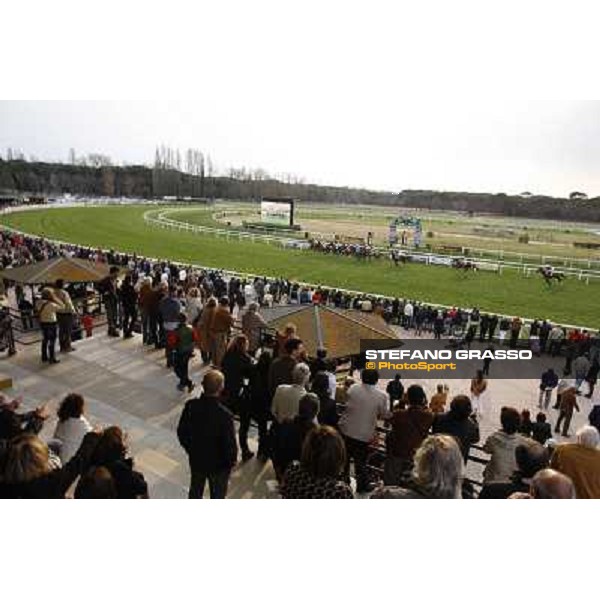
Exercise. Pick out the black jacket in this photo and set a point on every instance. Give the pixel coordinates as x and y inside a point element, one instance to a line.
<point>207,434</point>
<point>54,484</point>
<point>500,490</point>
<point>541,432</point>
<point>130,484</point>
<point>236,367</point>
<point>466,431</point>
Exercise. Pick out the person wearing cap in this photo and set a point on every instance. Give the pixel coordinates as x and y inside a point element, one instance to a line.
<point>47,308</point>
<point>568,403</point>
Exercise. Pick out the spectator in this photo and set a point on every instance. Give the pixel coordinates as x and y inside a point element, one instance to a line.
<point>541,431</point>
<point>47,309</point>
<point>96,484</point>
<point>365,405</point>
<point>28,472</point>
<point>478,388</point>
<point>395,390</point>
<point>409,428</point>
<point>108,290</point>
<point>203,329</point>
<point>207,434</point>
<point>341,391</point>
<point>548,382</point>
<point>321,363</point>
<point>549,484</point>
<point>145,300</point>
<point>437,404</point>
<point>289,436</point>
<point>287,397</point>
<point>460,423</point>
<point>71,427</point>
<point>317,476</point>
<point>184,343</point>
<point>169,308</point>
<point>64,316</point>
<point>525,427</point>
<point>13,424</point>
<point>253,325</point>
<point>282,337</point>
<point>220,329</point>
<point>581,366</point>
<point>129,304</point>
<point>111,453</point>
<point>193,306</point>
<point>530,459</point>
<point>581,462</point>
<point>260,401</point>
<point>568,403</point>
<point>437,473</point>
<point>281,368</point>
<point>237,366</point>
<point>501,445</point>
<point>327,407</point>
<point>592,377</point>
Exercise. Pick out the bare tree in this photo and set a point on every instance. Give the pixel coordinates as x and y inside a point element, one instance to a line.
<point>577,196</point>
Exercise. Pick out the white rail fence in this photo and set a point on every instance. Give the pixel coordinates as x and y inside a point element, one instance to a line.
<point>161,219</point>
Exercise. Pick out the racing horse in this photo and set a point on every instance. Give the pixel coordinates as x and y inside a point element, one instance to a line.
<point>398,257</point>
<point>550,275</point>
<point>463,265</point>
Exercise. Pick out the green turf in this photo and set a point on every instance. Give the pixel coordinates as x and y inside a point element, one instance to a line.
<point>123,228</point>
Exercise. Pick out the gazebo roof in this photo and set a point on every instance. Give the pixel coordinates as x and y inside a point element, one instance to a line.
<point>338,330</point>
<point>71,270</point>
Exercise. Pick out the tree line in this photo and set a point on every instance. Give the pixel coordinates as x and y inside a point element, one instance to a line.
<point>192,174</point>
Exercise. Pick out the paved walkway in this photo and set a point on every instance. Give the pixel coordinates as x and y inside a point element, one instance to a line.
<point>128,385</point>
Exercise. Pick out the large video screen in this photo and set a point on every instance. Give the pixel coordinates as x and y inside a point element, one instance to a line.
<point>277,212</point>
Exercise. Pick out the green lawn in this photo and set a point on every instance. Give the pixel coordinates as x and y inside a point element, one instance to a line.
<point>123,228</point>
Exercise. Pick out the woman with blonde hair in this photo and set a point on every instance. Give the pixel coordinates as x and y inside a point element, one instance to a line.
<point>47,307</point>
<point>437,473</point>
<point>28,473</point>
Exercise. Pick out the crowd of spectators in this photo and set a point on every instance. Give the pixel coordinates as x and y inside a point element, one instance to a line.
<point>316,443</point>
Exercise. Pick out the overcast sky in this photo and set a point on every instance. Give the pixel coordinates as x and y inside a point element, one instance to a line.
<point>385,95</point>
<point>377,141</point>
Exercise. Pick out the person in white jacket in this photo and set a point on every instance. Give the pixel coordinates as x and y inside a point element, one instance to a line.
<point>72,426</point>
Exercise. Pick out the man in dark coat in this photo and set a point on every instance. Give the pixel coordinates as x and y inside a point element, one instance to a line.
<point>459,423</point>
<point>281,368</point>
<point>207,434</point>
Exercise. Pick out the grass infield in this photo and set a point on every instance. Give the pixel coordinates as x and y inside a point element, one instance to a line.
<point>123,228</point>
